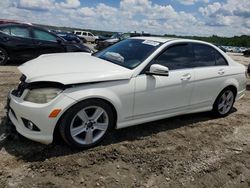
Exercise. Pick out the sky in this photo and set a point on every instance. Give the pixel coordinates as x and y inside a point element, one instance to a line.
<point>179,17</point>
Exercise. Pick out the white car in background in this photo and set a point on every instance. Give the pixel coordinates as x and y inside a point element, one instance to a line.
<point>137,80</point>
<point>88,36</point>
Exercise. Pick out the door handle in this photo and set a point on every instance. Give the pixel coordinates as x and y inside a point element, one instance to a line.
<point>186,77</point>
<point>221,71</point>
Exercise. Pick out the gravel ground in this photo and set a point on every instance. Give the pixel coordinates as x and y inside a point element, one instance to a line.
<point>186,151</point>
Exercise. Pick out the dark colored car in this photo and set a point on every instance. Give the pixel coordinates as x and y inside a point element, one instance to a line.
<point>246,52</point>
<point>102,38</point>
<point>6,21</point>
<point>24,42</point>
<point>69,37</point>
<point>112,40</point>
<point>117,37</point>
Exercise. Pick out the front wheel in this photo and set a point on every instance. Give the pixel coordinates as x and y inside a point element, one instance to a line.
<point>87,123</point>
<point>224,103</point>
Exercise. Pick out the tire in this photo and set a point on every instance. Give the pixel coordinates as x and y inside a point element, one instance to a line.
<point>3,56</point>
<point>87,123</point>
<point>224,103</point>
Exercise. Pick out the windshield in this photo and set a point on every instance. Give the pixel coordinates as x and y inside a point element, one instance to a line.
<point>128,53</point>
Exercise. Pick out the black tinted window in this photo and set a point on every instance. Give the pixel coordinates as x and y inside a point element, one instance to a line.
<point>176,57</point>
<point>19,32</point>
<point>204,55</point>
<point>5,30</point>
<point>42,35</point>
<point>220,60</point>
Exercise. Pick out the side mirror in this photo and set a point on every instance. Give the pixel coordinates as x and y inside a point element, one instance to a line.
<point>158,70</point>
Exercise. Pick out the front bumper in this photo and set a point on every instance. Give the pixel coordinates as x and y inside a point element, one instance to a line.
<point>18,110</point>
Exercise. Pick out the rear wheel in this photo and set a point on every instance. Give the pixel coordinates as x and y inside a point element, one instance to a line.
<point>87,123</point>
<point>3,56</point>
<point>224,103</point>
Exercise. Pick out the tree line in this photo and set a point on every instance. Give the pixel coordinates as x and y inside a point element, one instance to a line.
<point>240,41</point>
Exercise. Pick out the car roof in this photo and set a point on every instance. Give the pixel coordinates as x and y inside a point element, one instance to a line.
<point>156,39</point>
<point>167,39</point>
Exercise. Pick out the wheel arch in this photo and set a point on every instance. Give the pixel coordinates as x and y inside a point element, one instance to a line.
<point>231,86</point>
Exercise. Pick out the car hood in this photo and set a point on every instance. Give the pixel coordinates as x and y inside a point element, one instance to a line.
<point>72,68</point>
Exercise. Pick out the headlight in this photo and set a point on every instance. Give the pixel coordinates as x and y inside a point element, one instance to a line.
<point>42,95</point>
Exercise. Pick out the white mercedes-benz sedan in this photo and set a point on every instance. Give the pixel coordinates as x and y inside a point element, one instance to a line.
<point>142,79</point>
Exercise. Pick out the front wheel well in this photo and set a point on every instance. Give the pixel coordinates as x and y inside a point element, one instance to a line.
<point>56,133</point>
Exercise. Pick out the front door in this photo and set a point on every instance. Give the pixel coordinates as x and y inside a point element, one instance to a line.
<point>46,43</point>
<point>162,95</point>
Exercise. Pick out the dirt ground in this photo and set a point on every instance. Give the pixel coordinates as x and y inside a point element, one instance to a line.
<point>186,151</point>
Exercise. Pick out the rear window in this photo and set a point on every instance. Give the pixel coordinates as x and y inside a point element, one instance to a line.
<point>19,32</point>
<point>220,60</point>
<point>206,56</point>
<point>5,30</point>
<point>179,56</point>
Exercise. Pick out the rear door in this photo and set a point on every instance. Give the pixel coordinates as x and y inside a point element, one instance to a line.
<point>19,43</point>
<point>211,70</point>
<point>46,42</point>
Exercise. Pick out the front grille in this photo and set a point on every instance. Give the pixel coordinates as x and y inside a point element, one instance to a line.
<point>21,87</point>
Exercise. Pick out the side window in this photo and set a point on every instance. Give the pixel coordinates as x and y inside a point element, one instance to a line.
<point>176,57</point>
<point>204,55</point>
<point>220,60</point>
<point>42,35</point>
<point>19,32</point>
<point>84,33</point>
<point>78,33</point>
<point>90,34</point>
<point>5,30</point>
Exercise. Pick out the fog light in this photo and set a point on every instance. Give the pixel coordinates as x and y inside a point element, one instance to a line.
<point>30,125</point>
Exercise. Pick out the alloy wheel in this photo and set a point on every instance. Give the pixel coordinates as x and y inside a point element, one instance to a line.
<point>226,102</point>
<point>89,125</point>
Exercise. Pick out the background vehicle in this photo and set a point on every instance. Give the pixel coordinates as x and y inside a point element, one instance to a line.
<point>7,21</point>
<point>112,40</point>
<point>246,52</point>
<point>117,37</point>
<point>24,42</point>
<point>69,37</point>
<point>135,81</point>
<point>102,38</point>
<point>88,36</point>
